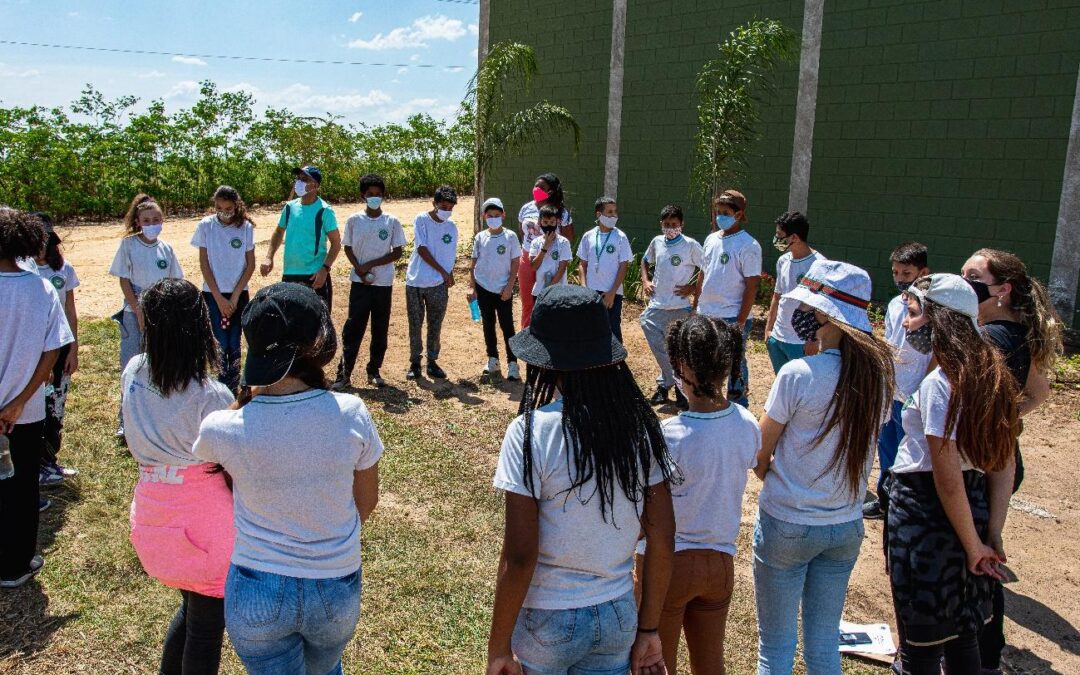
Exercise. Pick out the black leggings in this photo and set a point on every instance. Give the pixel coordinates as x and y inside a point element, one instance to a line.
<point>193,641</point>
<point>961,657</point>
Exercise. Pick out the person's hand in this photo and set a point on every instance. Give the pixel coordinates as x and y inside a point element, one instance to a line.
<point>684,291</point>
<point>361,270</point>
<point>234,302</point>
<point>549,239</point>
<point>609,299</point>
<point>448,277</point>
<point>139,317</point>
<point>646,656</point>
<point>994,542</point>
<point>9,415</point>
<point>471,296</point>
<point>648,288</point>
<point>507,292</point>
<point>223,306</point>
<point>318,280</point>
<point>72,362</point>
<point>983,560</point>
<point>266,266</point>
<point>505,664</point>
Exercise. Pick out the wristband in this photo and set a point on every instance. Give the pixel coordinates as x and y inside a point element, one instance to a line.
<point>648,631</point>
<point>326,267</point>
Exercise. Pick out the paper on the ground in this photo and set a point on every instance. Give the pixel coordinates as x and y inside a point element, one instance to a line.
<point>880,637</point>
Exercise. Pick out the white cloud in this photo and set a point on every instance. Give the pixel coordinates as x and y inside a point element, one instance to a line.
<point>302,98</point>
<point>183,90</point>
<point>355,17</point>
<point>402,71</point>
<point>414,57</point>
<point>454,69</point>
<point>474,28</point>
<point>8,71</point>
<point>150,75</point>
<point>189,60</point>
<point>417,34</point>
<point>73,15</point>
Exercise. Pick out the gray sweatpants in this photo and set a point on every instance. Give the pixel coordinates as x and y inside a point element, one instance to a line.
<point>431,301</point>
<point>654,323</point>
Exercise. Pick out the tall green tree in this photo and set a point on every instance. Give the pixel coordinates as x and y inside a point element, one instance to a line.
<point>730,89</point>
<point>499,131</point>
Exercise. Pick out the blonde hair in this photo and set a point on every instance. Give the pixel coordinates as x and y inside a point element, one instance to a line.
<point>140,203</point>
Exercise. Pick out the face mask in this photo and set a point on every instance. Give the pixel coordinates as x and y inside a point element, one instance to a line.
<point>982,291</point>
<point>607,221</point>
<point>805,324</point>
<point>671,233</point>
<point>494,223</point>
<point>781,244</point>
<point>151,232</point>
<point>539,195</point>
<point>902,286</point>
<point>919,339</point>
<point>300,188</point>
<point>444,215</point>
<point>374,203</point>
<point>724,222</point>
<point>226,216</point>
<point>548,229</point>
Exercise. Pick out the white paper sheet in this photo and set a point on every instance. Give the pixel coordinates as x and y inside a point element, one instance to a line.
<point>880,636</point>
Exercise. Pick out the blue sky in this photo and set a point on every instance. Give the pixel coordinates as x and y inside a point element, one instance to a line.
<point>407,32</point>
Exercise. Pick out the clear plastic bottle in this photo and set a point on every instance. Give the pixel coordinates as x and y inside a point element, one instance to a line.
<point>7,469</point>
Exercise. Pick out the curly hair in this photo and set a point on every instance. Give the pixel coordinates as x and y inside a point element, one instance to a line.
<point>709,349</point>
<point>21,235</point>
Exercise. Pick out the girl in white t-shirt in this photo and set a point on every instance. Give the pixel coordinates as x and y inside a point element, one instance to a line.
<point>818,437</point>
<point>226,243</point>
<point>950,485</point>
<point>142,258</point>
<point>714,444</point>
<point>547,191</point>
<point>52,267</point>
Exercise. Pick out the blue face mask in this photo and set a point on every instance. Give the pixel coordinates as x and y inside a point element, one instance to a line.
<point>724,222</point>
<point>373,203</point>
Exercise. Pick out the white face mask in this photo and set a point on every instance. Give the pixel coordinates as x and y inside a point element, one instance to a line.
<point>494,223</point>
<point>608,221</point>
<point>300,188</point>
<point>444,215</point>
<point>151,232</point>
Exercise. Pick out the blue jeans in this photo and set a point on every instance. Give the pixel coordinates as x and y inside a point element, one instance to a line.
<point>807,564</point>
<point>614,316</point>
<point>744,370</point>
<point>228,339</point>
<point>782,352</point>
<point>594,640</point>
<point>889,442</point>
<point>286,625</point>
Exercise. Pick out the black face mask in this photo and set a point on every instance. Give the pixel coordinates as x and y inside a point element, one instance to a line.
<point>548,229</point>
<point>805,324</point>
<point>902,286</point>
<point>982,291</point>
<point>919,339</point>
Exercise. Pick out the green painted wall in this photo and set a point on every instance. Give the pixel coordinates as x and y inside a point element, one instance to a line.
<point>944,121</point>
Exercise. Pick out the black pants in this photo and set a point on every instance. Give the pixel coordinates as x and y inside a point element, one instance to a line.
<point>54,408</point>
<point>366,302</point>
<point>193,641</point>
<point>491,306</point>
<point>326,292</point>
<point>19,500</point>
<point>961,657</point>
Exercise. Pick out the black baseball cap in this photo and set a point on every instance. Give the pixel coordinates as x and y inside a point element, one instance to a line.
<point>280,320</point>
<point>311,171</point>
<point>569,331</point>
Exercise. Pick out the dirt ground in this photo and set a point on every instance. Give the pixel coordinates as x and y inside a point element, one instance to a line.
<point>1042,605</point>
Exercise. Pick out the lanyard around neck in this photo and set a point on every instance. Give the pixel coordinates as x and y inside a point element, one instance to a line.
<point>600,247</point>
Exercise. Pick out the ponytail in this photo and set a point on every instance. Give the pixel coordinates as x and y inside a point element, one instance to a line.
<point>131,218</point>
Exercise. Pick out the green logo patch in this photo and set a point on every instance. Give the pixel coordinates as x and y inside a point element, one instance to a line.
<point>384,235</point>
<point>724,258</point>
<point>676,260</point>
<point>610,248</point>
<point>236,242</point>
<point>501,249</point>
<point>163,264</point>
<point>57,281</point>
<point>555,255</point>
<point>446,238</point>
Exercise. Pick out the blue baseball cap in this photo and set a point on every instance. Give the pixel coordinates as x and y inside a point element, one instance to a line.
<point>310,171</point>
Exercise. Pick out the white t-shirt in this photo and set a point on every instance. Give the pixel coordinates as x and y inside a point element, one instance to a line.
<point>142,264</point>
<point>674,266</point>
<point>559,253</point>
<point>800,486</point>
<point>161,431</point>
<point>440,239</point>
<point>924,415</point>
<point>582,560</point>
<point>32,321</point>
<point>529,218</point>
<point>63,279</point>
<point>493,255</point>
<point>604,252</point>
<point>789,272</point>
<point>226,250</point>
<point>371,238</point>
<point>910,365</point>
<point>726,262</point>
<point>714,452</point>
<point>292,459</point>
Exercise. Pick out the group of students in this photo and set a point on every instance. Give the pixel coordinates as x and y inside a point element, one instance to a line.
<point>620,529</point>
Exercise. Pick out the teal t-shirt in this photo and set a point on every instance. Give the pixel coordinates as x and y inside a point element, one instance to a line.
<point>303,254</point>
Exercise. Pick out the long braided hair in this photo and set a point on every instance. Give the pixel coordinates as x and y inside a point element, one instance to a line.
<point>709,349</point>
<point>179,342</point>
<point>614,434</point>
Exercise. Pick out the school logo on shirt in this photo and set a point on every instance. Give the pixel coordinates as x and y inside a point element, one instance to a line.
<point>724,258</point>
<point>236,243</point>
<point>446,238</point>
<point>676,260</point>
<point>384,235</point>
<point>501,249</point>
<point>610,248</point>
<point>162,264</point>
<point>555,255</point>
<point>57,281</point>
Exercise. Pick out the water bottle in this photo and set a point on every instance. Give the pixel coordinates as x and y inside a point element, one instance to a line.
<point>474,308</point>
<point>7,469</point>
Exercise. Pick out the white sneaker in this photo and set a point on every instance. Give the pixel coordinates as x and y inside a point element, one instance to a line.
<point>512,372</point>
<point>492,365</point>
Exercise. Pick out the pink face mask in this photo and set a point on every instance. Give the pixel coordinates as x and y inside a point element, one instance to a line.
<point>539,194</point>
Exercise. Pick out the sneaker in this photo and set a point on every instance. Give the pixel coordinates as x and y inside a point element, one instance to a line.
<point>43,504</point>
<point>492,365</point>
<point>680,400</point>
<point>414,372</point>
<point>375,379</point>
<point>65,471</point>
<point>872,511</point>
<point>513,373</point>
<point>36,563</point>
<point>340,384</point>
<point>434,371</point>
<point>49,475</point>
<point>659,397</point>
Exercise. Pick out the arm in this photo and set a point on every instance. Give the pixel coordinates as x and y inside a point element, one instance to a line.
<point>748,297</point>
<point>72,363</point>
<point>131,300</point>
<point>426,256</point>
<point>658,521</point>
<point>771,431</point>
<point>583,270</point>
<point>245,277</point>
<point>275,242</point>
<point>318,280</point>
<point>472,279</point>
<point>1036,391</point>
<point>648,288</point>
<point>211,282</point>
<point>560,274</point>
<point>999,487</point>
<point>508,290</point>
<point>521,545</point>
<point>365,489</point>
<point>620,276</point>
<point>9,414</point>
<point>773,307</point>
<point>536,260</point>
<point>363,268</point>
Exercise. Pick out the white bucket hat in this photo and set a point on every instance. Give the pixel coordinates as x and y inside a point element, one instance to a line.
<point>839,289</point>
<point>952,291</point>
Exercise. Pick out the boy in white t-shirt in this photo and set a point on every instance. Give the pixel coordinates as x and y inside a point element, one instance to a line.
<point>731,265</point>
<point>909,262</point>
<point>605,255</point>
<point>373,243</point>
<point>792,235</point>
<point>549,254</point>
<point>671,288</point>
<point>495,258</point>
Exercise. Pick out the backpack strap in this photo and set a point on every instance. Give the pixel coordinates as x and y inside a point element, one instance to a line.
<point>287,212</point>
<point>318,231</point>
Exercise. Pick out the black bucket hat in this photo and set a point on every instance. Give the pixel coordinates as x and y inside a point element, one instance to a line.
<point>280,320</point>
<point>569,331</point>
